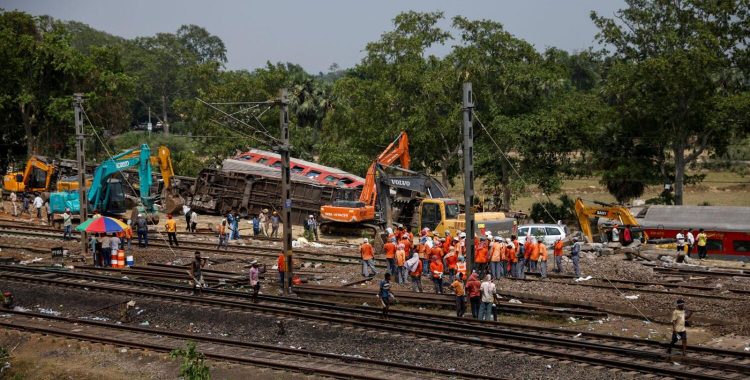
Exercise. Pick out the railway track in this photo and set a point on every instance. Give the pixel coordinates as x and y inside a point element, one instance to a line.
<point>626,353</point>
<point>310,256</point>
<point>242,352</point>
<point>641,287</point>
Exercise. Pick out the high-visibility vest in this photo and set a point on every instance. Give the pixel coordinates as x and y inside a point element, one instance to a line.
<point>461,267</point>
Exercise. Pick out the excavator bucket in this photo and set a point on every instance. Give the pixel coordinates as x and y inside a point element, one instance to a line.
<point>172,201</point>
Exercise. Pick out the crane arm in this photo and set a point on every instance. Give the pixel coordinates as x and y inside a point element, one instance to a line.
<point>163,160</point>
<point>398,150</point>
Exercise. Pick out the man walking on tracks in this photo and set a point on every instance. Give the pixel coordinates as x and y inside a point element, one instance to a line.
<point>264,221</point>
<point>275,221</point>
<point>368,262</point>
<point>385,295</point>
<point>254,277</point>
<point>38,203</point>
<point>575,256</point>
<point>458,288</point>
<point>196,274</point>
<point>141,228</point>
<point>171,227</point>
<point>678,326</point>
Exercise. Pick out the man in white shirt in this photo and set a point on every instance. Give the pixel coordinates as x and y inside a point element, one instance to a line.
<point>193,221</point>
<point>186,211</point>
<point>38,203</point>
<point>13,200</point>
<point>680,241</point>
<point>487,289</point>
<point>690,241</point>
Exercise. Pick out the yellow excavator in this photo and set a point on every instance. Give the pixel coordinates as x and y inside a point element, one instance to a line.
<point>588,219</point>
<point>36,177</point>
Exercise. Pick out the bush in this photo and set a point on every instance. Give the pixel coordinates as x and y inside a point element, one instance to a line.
<point>193,365</point>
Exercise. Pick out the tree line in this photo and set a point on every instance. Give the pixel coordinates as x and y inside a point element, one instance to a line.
<point>667,84</point>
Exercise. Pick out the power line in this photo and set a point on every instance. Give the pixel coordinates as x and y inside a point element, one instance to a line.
<point>265,133</point>
<point>548,213</point>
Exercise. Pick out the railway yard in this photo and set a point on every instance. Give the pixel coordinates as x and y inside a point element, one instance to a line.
<point>614,325</point>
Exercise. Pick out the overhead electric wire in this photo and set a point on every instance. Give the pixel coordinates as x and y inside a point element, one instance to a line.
<point>548,213</point>
<point>265,133</point>
<point>119,170</point>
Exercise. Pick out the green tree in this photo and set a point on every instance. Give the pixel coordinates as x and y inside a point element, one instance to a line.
<point>397,87</point>
<point>40,72</point>
<point>678,78</point>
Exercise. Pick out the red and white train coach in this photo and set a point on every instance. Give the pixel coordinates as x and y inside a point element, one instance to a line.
<point>324,175</point>
<point>727,228</point>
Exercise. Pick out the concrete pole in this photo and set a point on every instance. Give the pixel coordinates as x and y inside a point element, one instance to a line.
<point>81,158</point>
<point>286,189</point>
<point>468,148</point>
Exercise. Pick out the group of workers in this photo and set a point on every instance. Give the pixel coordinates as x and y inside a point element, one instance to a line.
<point>441,258</point>
<point>28,201</point>
<point>687,241</point>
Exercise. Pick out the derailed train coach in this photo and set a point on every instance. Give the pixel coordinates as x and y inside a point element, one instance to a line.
<point>249,188</point>
<point>727,228</point>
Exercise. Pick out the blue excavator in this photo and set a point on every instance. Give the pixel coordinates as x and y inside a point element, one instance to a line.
<point>107,195</point>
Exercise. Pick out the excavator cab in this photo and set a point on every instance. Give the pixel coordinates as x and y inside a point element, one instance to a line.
<point>35,177</point>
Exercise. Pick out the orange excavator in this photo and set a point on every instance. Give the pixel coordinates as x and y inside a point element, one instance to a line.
<point>361,214</point>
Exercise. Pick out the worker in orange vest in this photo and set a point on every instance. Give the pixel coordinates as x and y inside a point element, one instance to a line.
<point>518,264</point>
<point>558,252</point>
<point>542,249</point>
<point>281,264</point>
<point>407,242</point>
<point>448,243</point>
<point>400,264</point>
<point>424,255</point>
<point>414,266</point>
<point>436,269</point>
<point>510,258</point>
<point>368,258</point>
<point>527,247</point>
<point>481,258</point>
<point>534,255</point>
<point>390,255</point>
<point>461,265</point>
<point>451,260</point>
<point>497,253</point>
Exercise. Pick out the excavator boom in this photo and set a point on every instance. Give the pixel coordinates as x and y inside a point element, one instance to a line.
<point>585,213</point>
<point>364,210</point>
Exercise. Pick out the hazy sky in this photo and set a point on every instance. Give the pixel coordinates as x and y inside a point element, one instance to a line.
<point>317,33</point>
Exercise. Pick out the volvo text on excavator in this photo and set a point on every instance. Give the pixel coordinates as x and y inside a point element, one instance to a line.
<point>395,194</point>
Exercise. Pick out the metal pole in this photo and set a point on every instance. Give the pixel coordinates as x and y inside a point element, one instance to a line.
<point>468,148</point>
<point>81,158</point>
<point>286,189</point>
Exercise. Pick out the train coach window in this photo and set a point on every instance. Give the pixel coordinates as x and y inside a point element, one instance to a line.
<point>262,161</point>
<point>297,169</point>
<point>741,245</point>
<point>345,181</point>
<point>331,178</point>
<point>312,174</point>
<point>714,245</point>
<point>276,165</point>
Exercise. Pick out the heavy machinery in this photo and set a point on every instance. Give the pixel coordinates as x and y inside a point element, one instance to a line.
<point>36,177</point>
<point>589,220</point>
<point>397,195</point>
<point>106,194</point>
<point>70,183</point>
<point>358,215</point>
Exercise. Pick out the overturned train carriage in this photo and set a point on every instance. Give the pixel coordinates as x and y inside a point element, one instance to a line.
<point>250,189</point>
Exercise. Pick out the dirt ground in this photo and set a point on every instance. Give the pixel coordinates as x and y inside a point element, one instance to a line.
<point>49,358</point>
